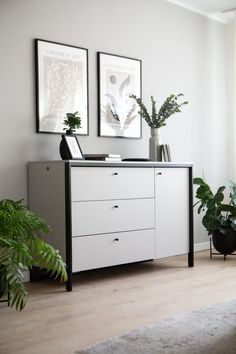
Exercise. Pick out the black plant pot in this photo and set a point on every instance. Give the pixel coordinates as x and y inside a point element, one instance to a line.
<point>224,243</point>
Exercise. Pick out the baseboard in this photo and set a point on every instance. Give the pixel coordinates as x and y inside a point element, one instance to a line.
<point>202,246</point>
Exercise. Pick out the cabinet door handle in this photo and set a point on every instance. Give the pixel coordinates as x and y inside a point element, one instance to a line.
<point>159,173</point>
<point>116,206</point>
<point>116,239</point>
<point>115,174</point>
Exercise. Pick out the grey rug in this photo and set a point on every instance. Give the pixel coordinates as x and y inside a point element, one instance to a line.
<point>211,330</point>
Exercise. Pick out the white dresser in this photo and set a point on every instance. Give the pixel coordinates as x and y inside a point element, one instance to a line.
<point>103,214</point>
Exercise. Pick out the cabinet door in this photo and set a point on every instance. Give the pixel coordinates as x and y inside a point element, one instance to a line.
<point>172,211</point>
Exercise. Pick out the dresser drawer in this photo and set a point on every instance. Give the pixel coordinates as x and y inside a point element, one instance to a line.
<point>99,217</point>
<point>102,183</point>
<point>97,251</point>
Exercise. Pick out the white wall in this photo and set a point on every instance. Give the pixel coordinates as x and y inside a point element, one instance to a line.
<point>181,52</point>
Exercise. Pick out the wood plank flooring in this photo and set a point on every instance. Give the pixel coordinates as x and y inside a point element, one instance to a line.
<point>108,302</point>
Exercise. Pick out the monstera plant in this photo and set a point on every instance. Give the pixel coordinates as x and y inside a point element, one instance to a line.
<point>22,247</point>
<point>219,217</point>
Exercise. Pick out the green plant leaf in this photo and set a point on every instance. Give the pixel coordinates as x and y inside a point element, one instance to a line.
<point>227,208</point>
<point>219,197</point>
<point>198,181</point>
<point>211,203</point>
<point>210,223</point>
<point>21,247</point>
<point>220,189</point>
<point>232,187</point>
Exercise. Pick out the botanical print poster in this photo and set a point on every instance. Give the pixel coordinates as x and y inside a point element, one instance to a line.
<point>62,85</point>
<point>119,77</point>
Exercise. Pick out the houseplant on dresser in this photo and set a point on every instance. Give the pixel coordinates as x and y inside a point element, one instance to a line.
<point>72,122</point>
<point>219,217</point>
<point>157,119</point>
<point>21,247</point>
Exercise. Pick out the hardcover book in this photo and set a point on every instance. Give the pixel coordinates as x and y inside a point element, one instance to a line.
<point>103,157</point>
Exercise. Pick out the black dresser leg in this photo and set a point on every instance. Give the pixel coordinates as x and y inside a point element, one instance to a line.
<point>69,282</point>
<point>191,259</point>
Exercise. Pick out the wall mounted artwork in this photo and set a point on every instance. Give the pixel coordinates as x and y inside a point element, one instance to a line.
<point>61,85</point>
<point>118,78</point>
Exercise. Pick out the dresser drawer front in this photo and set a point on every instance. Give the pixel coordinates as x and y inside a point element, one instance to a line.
<point>111,249</point>
<point>99,217</point>
<point>102,183</point>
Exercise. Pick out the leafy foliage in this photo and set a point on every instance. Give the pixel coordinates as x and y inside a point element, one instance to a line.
<point>20,248</point>
<point>72,122</point>
<point>218,215</point>
<point>158,119</point>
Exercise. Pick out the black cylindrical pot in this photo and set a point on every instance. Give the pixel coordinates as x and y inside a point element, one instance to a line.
<point>224,243</point>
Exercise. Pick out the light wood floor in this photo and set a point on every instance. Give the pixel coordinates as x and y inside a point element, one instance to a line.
<point>111,301</point>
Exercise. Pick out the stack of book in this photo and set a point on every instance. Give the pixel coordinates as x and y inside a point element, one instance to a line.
<point>103,157</point>
<point>166,153</point>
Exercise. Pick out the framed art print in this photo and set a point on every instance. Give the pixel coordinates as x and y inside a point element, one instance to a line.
<point>118,78</point>
<point>73,148</point>
<point>61,85</point>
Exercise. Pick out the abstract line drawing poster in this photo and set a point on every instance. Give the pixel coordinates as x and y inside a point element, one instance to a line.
<point>61,85</point>
<point>118,78</point>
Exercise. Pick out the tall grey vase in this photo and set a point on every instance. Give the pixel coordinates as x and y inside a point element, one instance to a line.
<point>155,147</point>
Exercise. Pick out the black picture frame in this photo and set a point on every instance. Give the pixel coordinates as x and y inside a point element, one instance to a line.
<point>118,78</point>
<point>61,78</point>
<point>71,146</point>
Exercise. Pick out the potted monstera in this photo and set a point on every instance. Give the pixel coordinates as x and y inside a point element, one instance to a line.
<point>21,248</point>
<point>219,216</point>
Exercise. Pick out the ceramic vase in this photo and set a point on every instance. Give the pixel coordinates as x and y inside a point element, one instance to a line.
<point>155,146</point>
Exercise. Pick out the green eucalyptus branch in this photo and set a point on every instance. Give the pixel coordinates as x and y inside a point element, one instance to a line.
<point>168,108</point>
